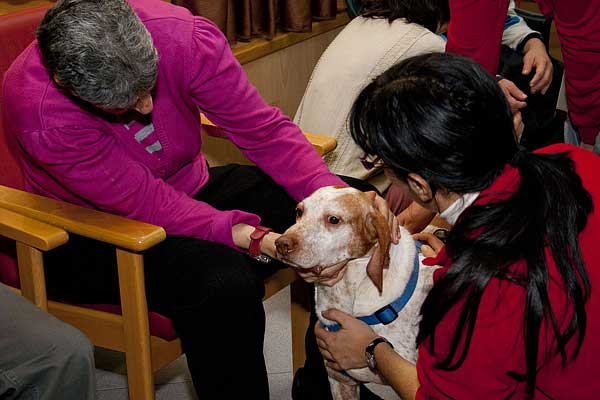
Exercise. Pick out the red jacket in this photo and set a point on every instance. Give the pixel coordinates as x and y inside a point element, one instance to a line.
<point>578,26</point>
<point>475,30</point>
<point>497,345</point>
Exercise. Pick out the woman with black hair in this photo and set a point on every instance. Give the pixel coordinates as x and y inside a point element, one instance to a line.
<point>511,311</point>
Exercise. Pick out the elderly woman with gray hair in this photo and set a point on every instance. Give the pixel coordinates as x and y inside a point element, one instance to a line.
<point>105,108</point>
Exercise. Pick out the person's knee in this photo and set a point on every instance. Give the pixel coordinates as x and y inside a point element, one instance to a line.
<point>239,283</point>
<point>229,274</point>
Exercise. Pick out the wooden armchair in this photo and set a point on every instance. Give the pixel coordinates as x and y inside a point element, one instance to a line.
<point>31,238</point>
<point>147,339</point>
<point>129,331</point>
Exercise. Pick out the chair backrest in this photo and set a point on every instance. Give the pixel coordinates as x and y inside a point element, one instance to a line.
<point>17,31</point>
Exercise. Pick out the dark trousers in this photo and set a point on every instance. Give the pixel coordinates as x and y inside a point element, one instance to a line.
<point>212,293</point>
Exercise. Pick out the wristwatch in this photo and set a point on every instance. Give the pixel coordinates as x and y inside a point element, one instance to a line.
<point>370,352</point>
<point>255,238</point>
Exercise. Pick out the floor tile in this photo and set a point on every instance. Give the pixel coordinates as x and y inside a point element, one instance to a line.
<point>280,386</point>
<point>278,333</point>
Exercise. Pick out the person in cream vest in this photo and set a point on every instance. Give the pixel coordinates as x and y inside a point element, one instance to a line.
<point>386,32</point>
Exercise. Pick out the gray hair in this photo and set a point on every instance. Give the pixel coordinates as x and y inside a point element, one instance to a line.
<point>99,51</point>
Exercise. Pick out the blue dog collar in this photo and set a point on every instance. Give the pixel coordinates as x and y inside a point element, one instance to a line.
<point>388,314</point>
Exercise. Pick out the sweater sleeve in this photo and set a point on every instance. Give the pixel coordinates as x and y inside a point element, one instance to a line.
<point>475,30</point>
<point>95,168</point>
<point>515,28</point>
<point>496,351</point>
<point>219,86</point>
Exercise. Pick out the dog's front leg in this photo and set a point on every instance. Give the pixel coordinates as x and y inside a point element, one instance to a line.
<point>342,386</point>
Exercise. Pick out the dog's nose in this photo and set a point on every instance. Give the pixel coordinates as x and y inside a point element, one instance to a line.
<point>285,245</point>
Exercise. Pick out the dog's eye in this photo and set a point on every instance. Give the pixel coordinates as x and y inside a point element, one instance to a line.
<point>298,212</point>
<point>333,220</point>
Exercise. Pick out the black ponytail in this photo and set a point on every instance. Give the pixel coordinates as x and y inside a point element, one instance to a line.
<point>444,118</point>
<point>549,208</point>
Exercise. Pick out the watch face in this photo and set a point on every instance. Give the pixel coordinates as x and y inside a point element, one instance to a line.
<point>370,352</point>
<point>371,361</point>
<point>263,258</point>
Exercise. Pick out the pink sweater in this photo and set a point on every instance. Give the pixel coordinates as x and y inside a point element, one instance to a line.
<point>149,172</point>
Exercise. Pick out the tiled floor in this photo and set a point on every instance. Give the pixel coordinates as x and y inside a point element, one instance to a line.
<point>173,382</point>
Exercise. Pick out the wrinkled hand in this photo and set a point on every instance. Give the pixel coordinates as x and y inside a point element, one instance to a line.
<point>515,96</point>
<point>431,244</point>
<point>241,237</point>
<point>536,56</point>
<point>267,244</point>
<point>382,206</point>
<point>328,276</point>
<point>344,349</point>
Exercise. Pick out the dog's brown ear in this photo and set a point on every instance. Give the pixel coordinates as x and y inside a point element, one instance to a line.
<point>380,259</point>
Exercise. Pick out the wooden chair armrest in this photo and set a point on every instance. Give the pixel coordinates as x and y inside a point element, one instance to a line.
<point>122,232</point>
<point>322,143</point>
<point>30,231</point>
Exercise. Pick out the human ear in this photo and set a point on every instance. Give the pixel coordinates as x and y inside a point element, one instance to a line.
<point>419,187</point>
<point>144,104</point>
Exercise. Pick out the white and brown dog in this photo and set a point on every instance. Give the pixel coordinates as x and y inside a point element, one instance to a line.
<point>385,284</point>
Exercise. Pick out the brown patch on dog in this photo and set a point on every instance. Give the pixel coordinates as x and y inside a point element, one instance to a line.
<point>369,229</point>
<point>381,256</point>
<point>362,241</point>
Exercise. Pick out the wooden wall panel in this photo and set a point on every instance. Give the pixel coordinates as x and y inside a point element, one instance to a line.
<point>281,78</point>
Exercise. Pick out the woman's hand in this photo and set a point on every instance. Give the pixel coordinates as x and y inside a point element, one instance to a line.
<point>241,237</point>
<point>515,96</point>
<point>344,349</point>
<point>431,244</point>
<point>267,245</point>
<point>382,206</point>
<point>535,55</point>
<point>415,217</point>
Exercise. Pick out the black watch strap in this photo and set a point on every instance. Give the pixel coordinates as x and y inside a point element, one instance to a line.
<point>370,351</point>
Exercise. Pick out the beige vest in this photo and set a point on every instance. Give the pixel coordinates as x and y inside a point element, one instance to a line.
<point>363,50</point>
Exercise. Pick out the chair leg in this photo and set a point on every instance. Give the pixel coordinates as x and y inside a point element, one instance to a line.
<point>135,325</point>
<point>31,275</point>
<point>300,293</point>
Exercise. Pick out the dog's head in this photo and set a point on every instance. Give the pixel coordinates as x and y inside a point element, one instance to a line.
<point>337,224</point>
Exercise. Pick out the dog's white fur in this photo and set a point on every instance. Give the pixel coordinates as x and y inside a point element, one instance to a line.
<point>315,241</point>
